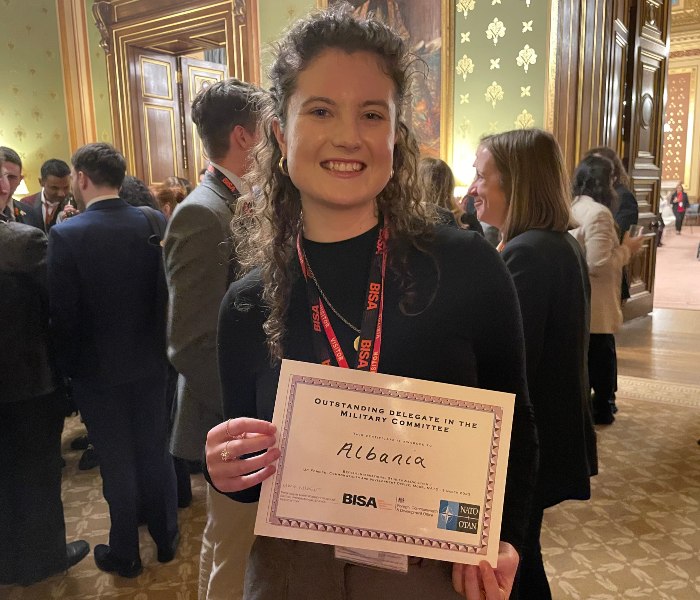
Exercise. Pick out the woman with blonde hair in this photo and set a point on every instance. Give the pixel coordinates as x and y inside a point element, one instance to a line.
<point>338,197</point>
<point>521,188</point>
<point>438,181</point>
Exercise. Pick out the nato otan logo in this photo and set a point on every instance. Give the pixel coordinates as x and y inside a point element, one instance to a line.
<point>456,516</point>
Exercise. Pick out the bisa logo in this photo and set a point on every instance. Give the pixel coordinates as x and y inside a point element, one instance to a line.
<point>367,502</point>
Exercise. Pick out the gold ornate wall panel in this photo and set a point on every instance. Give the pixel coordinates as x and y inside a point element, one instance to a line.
<point>679,119</point>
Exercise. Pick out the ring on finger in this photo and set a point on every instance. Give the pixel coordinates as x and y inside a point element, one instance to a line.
<point>226,456</point>
<point>228,433</point>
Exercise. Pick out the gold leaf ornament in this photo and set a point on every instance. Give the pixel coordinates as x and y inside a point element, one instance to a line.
<point>524,120</point>
<point>494,93</point>
<point>495,31</point>
<point>465,67</point>
<point>526,57</point>
<point>464,6</point>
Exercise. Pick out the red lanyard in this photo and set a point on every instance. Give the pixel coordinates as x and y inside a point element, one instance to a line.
<point>223,179</point>
<point>371,330</point>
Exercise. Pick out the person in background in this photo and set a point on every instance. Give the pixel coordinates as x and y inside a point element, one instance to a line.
<point>521,187</point>
<point>174,181</point>
<point>54,199</point>
<point>679,203</point>
<point>625,213</point>
<point>15,210</point>
<point>436,177</point>
<point>199,270</point>
<point>108,323</point>
<point>32,408</point>
<point>335,175</point>
<point>136,193</point>
<point>173,191</point>
<point>605,257</point>
<point>468,218</point>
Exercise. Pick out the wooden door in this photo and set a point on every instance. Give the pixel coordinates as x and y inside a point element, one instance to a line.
<point>650,24</point>
<point>196,75</point>
<point>156,115</point>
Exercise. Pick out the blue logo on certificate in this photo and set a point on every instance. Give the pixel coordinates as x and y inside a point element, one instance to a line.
<point>456,516</point>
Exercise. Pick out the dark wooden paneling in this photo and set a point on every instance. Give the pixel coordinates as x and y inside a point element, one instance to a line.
<point>611,76</point>
<point>155,109</point>
<point>650,29</point>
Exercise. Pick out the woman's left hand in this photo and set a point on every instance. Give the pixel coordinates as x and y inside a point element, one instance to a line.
<point>483,582</point>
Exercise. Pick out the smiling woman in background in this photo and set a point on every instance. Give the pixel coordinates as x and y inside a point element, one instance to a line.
<point>521,188</point>
<point>336,171</point>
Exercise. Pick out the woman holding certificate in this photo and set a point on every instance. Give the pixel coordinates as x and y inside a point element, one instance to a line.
<point>521,187</point>
<point>340,228</point>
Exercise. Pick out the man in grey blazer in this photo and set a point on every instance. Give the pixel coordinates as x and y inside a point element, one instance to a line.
<point>199,270</point>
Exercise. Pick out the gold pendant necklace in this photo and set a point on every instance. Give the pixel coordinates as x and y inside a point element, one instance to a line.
<point>356,343</point>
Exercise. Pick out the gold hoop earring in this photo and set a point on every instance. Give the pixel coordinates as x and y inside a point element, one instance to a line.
<point>282,165</point>
<point>392,174</point>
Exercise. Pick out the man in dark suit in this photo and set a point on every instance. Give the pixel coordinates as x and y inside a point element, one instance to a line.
<point>51,204</point>
<point>199,271</point>
<point>15,210</point>
<point>32,407</point>
<point>108,319</point>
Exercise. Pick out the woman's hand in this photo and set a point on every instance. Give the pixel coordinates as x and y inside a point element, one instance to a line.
<point>484,582</point>
<point>633,243</point>
<point>230,440</point>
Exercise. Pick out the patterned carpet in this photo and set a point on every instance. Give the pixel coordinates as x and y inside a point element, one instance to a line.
<point>637,538</point>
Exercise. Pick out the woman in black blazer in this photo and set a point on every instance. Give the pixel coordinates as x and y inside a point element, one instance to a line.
<point>521,188</point>
<point>679,203</point>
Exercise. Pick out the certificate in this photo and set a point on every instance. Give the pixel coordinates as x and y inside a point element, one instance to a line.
<point>387,464</point>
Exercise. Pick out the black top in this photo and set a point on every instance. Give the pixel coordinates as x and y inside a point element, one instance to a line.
<point>551,277</point>
<point>462,326</point>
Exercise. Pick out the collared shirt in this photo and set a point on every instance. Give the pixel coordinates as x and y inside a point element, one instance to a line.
<point>101,198</point>
<point>46,206</point>
<point>235,179</point>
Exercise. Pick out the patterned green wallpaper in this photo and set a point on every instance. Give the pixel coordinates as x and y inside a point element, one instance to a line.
<point>100,87</point>
<point>274,17</point>
<point>500,72</point>
<point>32,107</point>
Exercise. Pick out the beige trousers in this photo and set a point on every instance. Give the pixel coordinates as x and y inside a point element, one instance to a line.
<point>228,536</point>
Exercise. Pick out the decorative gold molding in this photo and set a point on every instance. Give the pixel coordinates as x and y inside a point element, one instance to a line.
<point>77,77</point>
<point>551,81</point>
<point>141,32</point>
<point>447,82</point>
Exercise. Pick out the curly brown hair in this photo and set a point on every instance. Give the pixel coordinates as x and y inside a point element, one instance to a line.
<point>269,220</point>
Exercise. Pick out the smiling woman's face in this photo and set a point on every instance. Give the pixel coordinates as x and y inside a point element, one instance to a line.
<point>340,130</point>
<point>489,197</point>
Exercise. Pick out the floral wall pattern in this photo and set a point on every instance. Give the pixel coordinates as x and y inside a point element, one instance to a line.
<point>32,108</point>
<point>679,138</point>
<point>501,63</point>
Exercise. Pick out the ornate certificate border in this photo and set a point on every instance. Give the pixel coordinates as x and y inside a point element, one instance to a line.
<point>391,536</point>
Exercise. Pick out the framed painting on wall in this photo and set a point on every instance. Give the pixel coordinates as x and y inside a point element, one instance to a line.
<point>427,26</point>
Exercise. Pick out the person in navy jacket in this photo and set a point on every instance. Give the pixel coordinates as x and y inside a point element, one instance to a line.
<point>108,322</point>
